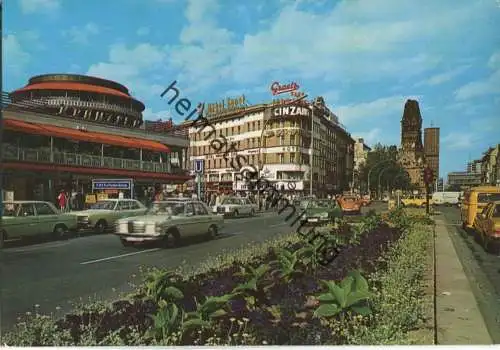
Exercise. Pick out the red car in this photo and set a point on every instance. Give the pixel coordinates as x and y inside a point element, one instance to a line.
<point>350,204</point>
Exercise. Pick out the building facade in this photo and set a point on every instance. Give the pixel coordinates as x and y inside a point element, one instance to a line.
<point>361,150</point>
<point>463,180</point>
<point>411,154</point>
<point>64,132</point>
<point>276,140</point>
<point>474,167</point>
<point>431,150</point>
<point>490,171</point>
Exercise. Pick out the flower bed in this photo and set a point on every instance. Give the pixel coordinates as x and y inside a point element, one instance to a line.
<point>275,293</point>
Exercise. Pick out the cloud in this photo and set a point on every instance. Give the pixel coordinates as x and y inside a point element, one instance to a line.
<point>81,35</point>
<point>384,107</point>
<point>370,137</point>
<point>487,86</point>
<point>34,6</point>
<point>15,57</point>
<point>443,77</point>
<point>132,67</point>
<point>143,31</point>
<point>459,140</point>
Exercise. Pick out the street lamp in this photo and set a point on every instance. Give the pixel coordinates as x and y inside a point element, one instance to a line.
<point>378,183</point>
<point>373,168</point>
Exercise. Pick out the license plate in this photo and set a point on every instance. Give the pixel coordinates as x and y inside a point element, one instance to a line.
<point>313,220</point>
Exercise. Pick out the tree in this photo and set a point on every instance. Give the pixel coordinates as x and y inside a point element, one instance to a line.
<point>383,161</point>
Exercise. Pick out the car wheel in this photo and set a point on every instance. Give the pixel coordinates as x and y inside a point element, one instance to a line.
<point>126,243</point>
<point>101,226</point>
<point>212,232</point>
<point>59,232</point>
<point>3,236</point>
<point>171,238</point>
<point>252,212</point>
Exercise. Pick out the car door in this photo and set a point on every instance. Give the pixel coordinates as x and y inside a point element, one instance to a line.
<point>27,222</point>
<point>189,222</point>
<point>245,207</point>
<point>481,218</point>
<point>122,209</point>
<point>46,216</point>
<point>202,217</point>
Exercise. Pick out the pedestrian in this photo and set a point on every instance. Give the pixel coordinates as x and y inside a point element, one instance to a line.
<point>61,200</point>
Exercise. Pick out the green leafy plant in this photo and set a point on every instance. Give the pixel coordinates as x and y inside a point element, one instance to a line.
<point>212,308</point>
<point>288,265</point>
<point>160,285</point>
<point>254,289</point>
<point>166,321</point>
<point>351,295</point>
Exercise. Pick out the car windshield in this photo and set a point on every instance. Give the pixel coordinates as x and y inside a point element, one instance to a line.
<point>319,204</point>
<point>231,201</point>
<point>349,199</point>
<point>167,208</point>
<point>104,205</point>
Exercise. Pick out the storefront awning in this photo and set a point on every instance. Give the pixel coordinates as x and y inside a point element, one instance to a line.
<point>81,135</point>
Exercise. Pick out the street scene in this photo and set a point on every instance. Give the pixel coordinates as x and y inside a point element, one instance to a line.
<point>234,183</point>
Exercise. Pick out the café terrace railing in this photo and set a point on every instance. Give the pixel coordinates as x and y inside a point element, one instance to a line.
<point>13,153</point>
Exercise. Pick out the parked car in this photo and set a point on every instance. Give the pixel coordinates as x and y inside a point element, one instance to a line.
<point>321,211</point>
<point>169,219</point>
<point>22,219</point>
<point>415,201</point>
<point>235,206</point>
<point>103,214</point>
<point>474,201</point>
<point>350,205</point>
<point>446,198</point>
<point>487,225</point>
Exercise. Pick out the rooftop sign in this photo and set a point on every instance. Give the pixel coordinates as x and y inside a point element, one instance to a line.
<point>277,88</point>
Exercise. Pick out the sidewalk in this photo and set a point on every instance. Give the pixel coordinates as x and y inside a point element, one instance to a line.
<point>458,319</point>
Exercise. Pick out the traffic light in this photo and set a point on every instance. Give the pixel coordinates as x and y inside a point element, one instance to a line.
<point>428,176</point>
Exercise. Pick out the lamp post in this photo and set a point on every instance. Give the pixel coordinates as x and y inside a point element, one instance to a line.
<point>373,168</point>
<point>311,160</point>
<point>378,183</point>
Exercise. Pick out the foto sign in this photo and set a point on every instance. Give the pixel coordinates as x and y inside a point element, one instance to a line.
<point>277,88</point>
<point>199,166</point>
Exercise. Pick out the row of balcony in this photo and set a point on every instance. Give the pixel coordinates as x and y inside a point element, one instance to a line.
<point>13,153</point>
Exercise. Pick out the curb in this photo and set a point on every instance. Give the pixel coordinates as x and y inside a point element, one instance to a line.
<point>458,318</point>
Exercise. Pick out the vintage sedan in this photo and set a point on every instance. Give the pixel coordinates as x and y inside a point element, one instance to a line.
<point>487,225</point>
<point>235,206</point>
<point>23,219</point>
<point>169,221</point>
<point>350,205</point>
<point>103,214</point>
<point>320,212</point>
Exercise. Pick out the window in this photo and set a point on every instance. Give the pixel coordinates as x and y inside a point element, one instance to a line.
<point>199,209</point>
<point>239,129</point>
<point>496,211</point>
<point>488,197</point>
<point>282,124</point>
<point>26,209</point>
<point>123,205</point>
<point>282,140</point>
<point>281,157</point>
<point>292,157</point>
<point>189,209</point>
<point>43,209</point>
<point>134,205</point>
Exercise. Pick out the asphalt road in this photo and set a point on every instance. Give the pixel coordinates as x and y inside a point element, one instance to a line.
<point>482,270</point>
<point>55,275</point>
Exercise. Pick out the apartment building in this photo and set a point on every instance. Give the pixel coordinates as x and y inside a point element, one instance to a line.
<point>276,139</point>
<point>361,150</point>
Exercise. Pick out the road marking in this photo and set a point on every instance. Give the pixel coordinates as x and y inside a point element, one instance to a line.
<point>235,233</point>
<point>35,247</point>
<point>280,224</point>
<point>119,256</point>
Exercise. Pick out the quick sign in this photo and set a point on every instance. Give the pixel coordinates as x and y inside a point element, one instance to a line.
<point>199,166</point>
<point>291,110</point>
<point>277,89</point>
<point>107,185</point>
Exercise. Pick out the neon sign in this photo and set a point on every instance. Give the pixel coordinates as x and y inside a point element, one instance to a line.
<point>278,89</point>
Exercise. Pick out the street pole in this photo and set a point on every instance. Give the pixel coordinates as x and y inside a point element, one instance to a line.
<point>427,190</point>
<point>198,185</point>
<point>311,162</point>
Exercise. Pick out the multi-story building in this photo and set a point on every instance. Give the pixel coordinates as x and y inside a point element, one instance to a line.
<point>463,180</point>
<point>489,166</point>
<point>361,150</point>
<point>411,153</point>
<point>64,132</point>
<point>276,139</point>
<point>431,150</point>
<point>474,167</point>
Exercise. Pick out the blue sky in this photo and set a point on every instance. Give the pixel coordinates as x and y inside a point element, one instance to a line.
<point>365,57</point>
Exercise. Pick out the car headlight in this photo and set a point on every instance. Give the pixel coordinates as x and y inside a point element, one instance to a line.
<point>323,215</point>
<point>83,218</point>
<point>153,229</point>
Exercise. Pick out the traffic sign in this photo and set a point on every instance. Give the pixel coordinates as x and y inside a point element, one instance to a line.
<point>428,176</point>
<point>199,166</point>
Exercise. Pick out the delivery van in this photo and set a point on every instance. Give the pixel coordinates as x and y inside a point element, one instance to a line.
<point>475,200</point>
<point>446,198</point>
